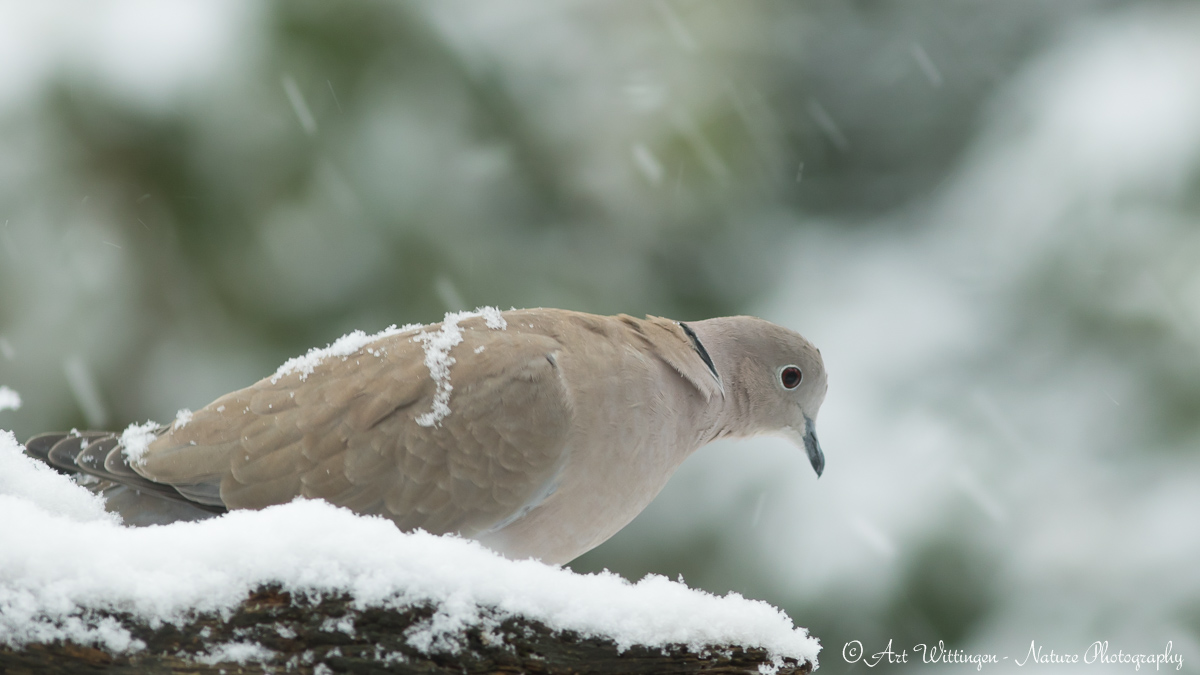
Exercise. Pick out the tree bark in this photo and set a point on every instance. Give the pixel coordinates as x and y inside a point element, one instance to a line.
<point>329,635</point>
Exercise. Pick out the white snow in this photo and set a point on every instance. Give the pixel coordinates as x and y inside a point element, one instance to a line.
<point>9,399</point>
<point>26,481</point>
<point>64,557</point>
<point>437,346</point>
<point>342,347</point>
<point>492,317</point>
<point>437,356</point>
<point>137,437</point>
<point>182,418</point>
<point>241,652</point>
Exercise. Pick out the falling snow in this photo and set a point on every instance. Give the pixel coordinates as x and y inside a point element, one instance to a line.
<point>9,399</point>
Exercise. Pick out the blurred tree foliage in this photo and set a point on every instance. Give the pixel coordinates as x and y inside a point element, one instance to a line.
<point>362,163</point>
<point>366,162</point>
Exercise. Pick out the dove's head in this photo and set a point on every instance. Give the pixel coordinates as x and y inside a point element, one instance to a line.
<point>774,379</point>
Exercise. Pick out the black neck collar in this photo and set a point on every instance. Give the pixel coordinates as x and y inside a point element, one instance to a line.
<point>699,346</point>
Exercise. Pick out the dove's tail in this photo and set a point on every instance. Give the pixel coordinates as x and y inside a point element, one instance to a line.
<point>100,454</point>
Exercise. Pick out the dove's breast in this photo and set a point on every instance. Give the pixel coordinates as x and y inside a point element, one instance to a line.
<point>634,420</point>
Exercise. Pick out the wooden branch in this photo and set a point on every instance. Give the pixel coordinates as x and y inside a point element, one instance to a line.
<point>329,635</point>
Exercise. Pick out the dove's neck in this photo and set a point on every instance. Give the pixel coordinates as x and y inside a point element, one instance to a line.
<point>729,415</point>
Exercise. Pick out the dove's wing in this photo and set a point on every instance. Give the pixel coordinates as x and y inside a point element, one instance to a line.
<point>350,433</point>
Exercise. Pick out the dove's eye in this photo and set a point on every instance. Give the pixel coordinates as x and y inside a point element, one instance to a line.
<point>790,377</point>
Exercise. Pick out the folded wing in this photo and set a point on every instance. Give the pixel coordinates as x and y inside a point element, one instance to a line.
<point>348,433</point>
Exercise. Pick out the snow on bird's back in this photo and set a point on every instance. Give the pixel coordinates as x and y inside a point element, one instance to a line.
<point>342,347</point>
<point>437,347</point>
<point>352,342</point>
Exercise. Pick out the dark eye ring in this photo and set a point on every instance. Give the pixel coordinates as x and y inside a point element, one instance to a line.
<point>790,377</point>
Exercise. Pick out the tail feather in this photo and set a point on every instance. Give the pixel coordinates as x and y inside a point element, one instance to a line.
<point>111,455</point>
<point>100,454</point>
<point>63,453</point>
<point>39,446</point>
<point>203,495</point>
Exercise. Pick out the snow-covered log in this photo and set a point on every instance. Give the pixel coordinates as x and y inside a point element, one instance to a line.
<point>308,587</point>
<point>275,631</point>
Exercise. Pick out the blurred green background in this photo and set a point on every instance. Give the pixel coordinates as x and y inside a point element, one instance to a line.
<point>985,214</point>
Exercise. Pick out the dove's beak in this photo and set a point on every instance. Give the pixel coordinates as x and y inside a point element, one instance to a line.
<point>813,447</point>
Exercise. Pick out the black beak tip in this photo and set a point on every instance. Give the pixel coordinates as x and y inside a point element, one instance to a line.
<point>818,461</point>
<point>813,447</point>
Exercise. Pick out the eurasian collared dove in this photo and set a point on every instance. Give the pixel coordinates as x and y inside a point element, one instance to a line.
<point>538,432</point>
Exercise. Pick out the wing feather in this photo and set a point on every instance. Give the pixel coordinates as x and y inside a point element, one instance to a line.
<point>348,433</point>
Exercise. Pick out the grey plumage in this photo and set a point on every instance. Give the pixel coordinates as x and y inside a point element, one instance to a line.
<point>553,432</point>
